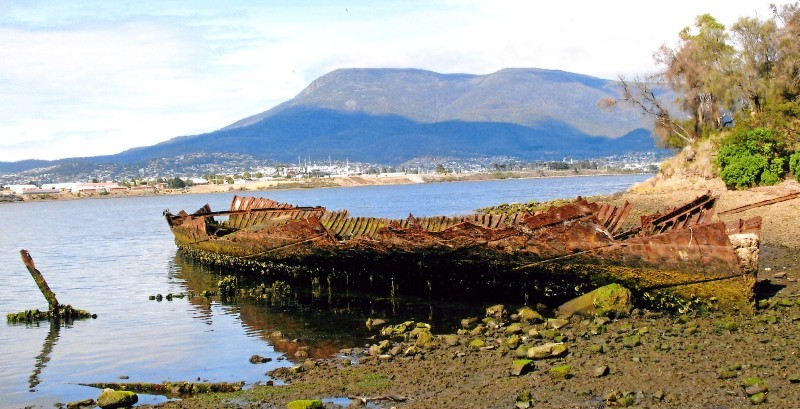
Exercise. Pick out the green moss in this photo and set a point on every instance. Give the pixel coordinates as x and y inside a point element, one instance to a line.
<point>477,344</point>
<point>560,371</point>
<point>373,382</point>
<point>305,404</point>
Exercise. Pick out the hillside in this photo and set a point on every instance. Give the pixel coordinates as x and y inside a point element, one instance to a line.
<point>394,115</point>
<point>521,96</point>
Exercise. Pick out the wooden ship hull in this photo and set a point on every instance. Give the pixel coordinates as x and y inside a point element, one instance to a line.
<point>680,255</point>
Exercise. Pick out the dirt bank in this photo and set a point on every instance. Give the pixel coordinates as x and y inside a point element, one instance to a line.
<point>649,359</point>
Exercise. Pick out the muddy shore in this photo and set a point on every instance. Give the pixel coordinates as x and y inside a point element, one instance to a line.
<point>648,359</point>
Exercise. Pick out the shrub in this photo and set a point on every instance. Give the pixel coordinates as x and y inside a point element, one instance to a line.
<point>794,165</point>
<point>751,157</point>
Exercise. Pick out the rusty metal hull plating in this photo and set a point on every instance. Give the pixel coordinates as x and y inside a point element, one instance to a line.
<point>680,253</point>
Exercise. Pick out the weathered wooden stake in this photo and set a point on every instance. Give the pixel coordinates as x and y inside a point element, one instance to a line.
<point>48,294</point>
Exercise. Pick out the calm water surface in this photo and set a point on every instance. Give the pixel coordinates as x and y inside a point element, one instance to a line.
<point>108,255</point>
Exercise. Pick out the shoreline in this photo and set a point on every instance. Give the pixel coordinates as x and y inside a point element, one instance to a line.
<point>334,182</point>
<point>656,359</point>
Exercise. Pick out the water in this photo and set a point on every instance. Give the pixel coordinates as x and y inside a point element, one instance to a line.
<point>108,255</point>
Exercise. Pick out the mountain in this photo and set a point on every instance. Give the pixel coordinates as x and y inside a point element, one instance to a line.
<point>394,115</point>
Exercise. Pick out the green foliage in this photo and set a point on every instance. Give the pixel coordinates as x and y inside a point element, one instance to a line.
<point>176,183</point>
<point>750,158</point>
<point>794,165</point>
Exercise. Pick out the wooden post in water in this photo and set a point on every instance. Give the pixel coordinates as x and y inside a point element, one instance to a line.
<point>39,279</point>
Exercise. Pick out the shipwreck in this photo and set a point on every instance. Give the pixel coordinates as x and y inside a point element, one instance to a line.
<point>681,254</point>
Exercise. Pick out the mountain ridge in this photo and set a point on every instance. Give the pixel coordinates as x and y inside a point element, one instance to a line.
<point>391,115</point>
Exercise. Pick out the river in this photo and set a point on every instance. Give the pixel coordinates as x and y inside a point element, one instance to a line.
<point>108,256</point>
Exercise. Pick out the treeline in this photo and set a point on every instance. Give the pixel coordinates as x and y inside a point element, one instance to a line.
<point>745,78</point>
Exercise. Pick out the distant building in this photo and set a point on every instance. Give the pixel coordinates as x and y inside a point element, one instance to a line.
<point>100,187</point>
<point>19,189</point>
<point>199,181</point>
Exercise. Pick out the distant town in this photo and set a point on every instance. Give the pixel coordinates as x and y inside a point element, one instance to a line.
<point>238,171</point>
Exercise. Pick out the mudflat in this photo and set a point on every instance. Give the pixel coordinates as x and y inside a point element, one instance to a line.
<point>658,359</point>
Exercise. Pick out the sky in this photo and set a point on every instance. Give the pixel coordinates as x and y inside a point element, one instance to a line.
<point>88,77</point>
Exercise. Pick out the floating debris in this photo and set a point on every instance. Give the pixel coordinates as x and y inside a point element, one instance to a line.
<point>56,312</point>
<point>170,389</point>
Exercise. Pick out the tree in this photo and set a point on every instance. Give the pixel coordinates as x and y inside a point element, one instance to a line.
<point>750,73</point>
<point>640,95</point>
<point>176,183</point>
<point>757,42</point>
<point>698,70</point>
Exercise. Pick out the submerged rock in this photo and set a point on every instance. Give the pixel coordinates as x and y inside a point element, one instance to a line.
<point>612,299</point>
<point>110,398</point>
<point>258,359</point>
<point>86,403</point>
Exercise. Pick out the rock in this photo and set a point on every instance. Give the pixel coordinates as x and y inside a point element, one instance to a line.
<point>794,379</point>
<point>631,341</point>
<point>497,312</point>
<point>598,348</point>
<point>560,371</point>
<point>450,340</point>
<point>468,322</point>
<point>398,330</point>
<point>514,329</point>
<point>754,386</point>
<point>609,300</point>
<point>86,403</point>
<point>379,348</point>
<point>258,359</point>
<point>524,400</point>
<point>305,404</point>
<point>477,343</point>
<point>110,398</point>
<point>528,314</point>
<point>412,350</point>
<point>548,350</point>
<point>425,339</point>
<point>727,325</point>
<point>758,398</point>
<point>374,322</point>
<point>512,342</point>
<point>746,247</point>
<point>600,371</point>
<point>557,323</point>
<point>521,366</point>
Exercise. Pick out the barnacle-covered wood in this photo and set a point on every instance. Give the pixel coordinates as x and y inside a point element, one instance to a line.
<point>682,252</point>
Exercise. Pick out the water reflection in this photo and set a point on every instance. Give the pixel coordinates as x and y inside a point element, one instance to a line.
<point>44,357</point>
<point>316,323</point>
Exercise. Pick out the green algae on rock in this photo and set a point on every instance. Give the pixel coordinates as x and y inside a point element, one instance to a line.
<point>111,398</point>
<point>304,404</point>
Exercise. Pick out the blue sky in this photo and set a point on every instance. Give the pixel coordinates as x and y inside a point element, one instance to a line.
<point>87,78</point>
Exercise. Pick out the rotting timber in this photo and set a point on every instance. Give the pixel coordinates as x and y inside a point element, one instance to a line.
<point>678,254</point>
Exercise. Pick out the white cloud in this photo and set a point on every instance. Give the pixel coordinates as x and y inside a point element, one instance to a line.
<point>83,78</point>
